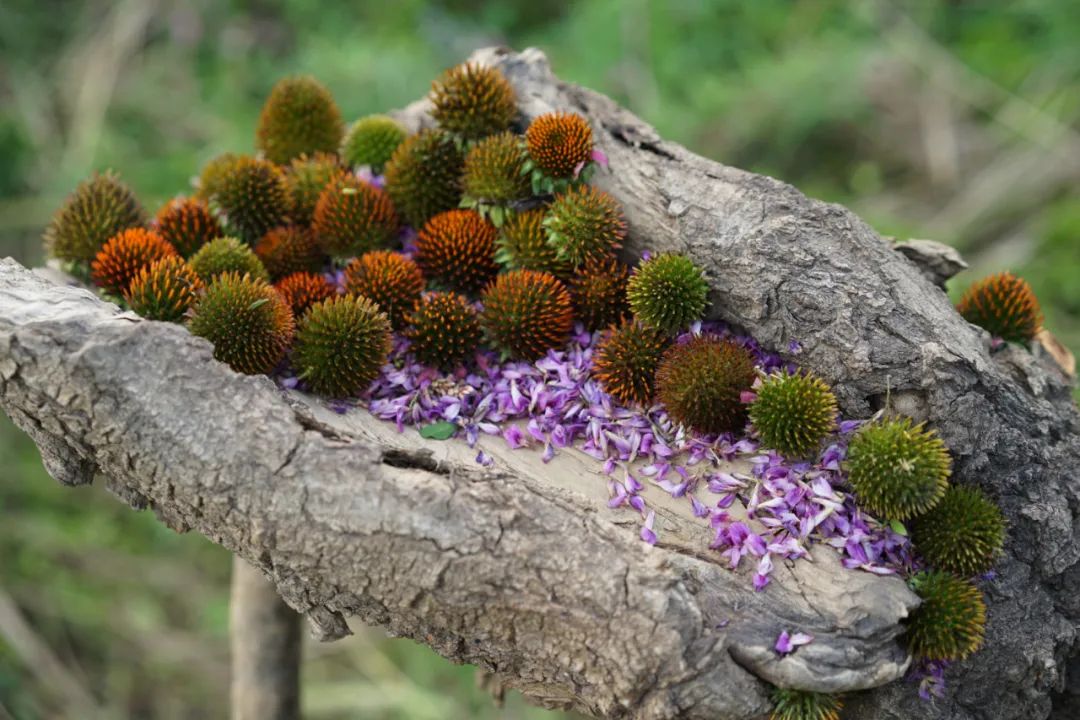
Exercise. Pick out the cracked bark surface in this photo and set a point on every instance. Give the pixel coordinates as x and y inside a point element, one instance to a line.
<point>521,569</point>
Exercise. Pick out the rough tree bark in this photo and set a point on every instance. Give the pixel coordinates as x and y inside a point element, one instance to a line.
<point>521,569</point>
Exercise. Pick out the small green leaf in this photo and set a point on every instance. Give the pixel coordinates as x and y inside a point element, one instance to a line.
<point>258,303</point>
<point>898,527</point>
<point>442,430</point>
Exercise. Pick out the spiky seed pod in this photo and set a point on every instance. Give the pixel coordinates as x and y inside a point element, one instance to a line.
<point>95,211</point>
<point>371,141</point>
<point>522,245</point>
<point>793,412</point>
<point>253,197</point>
<point>700,382</point>
<point>625,362</point>
<point>473,101</point>
<point>899,470</point>
<point>526,313</point>
<point>599,293</point>
<point>164,290</point>
<point>804,705</point>
<point>668,291</point>
<point>584,223</point>
<point>213,174</point>
<point>950,623</point>
<point>248,322</point>
<point>289,249</point>
<point>299,117</point>
<point>390,279</point>
<point>226,254</point>
<point>305,179</point>
<point>559,143</point>
<point>124,255</point>
<point>341,344</point>
<point>187,224</point>
<point>493,170</point>
<point>1005,306</point>
<point>423,176</point>
<point>963,533</point>
<point>443,329</point>
<point>457,249</point>
<point>303,289</point>
<point>352,217</point>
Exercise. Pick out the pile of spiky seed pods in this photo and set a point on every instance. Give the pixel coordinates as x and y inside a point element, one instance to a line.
<point>465,279</point>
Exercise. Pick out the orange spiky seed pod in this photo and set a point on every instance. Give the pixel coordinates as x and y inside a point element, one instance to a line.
<point>523,245</point>
<point>253,197</point>
<point>226,254</point>
<point>472,101</point>
<point>303,289</point>
<point>559,143</point>
<point>526,313</point>
<point>289,249</point>
<point>305,179</point>
<point>700,382</point>
<point>584,223</point>
<point>352,217</point>
<point>626,360</point>
<point>457,249</point>
<point>341,344</point>
<point>299,117</point>
<point>1005,306</point>
<point>124,255</point>
<point>599,293</point>
<point>493,170</point>
<point>213,174</point>
<point>248,322</point>
<point>95,211</point>
<point>443,329</point>
<point>423,176</point>
<point>390,279</point>
<point>187,224</point>
<point>164,290</point>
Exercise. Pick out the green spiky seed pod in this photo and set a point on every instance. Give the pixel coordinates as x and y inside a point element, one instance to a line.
<point>305,179</point>
<point>963,533</point>
<point>1003,305</point>
<point>300,117</point>
<point>625,362</point>
<point>390,279</point>
<point>599,293</point>
<point>584,223</point>
<point>456,249</point>
<point>371,141</point>
<point>226,254</point>
<point>289,249</point>
<point>559,143</point>
<point>352,217</point>
<point>522,245</point>
<point>668,291</point>
<point>341,344</point>
<point>443,329</point>
<point>164,290</point>
<point>700,382</point>
<point>124,255</point>
<point>213,174</point>
<point>526,313</point>
<point>95,211</point>
<point>248,322</point>
<point>303,289</point>
<point>804,705</point>
<point>899,470</point>
<point>950,623</point>
<point>253,197</point>
<point>423,176</point>
<point>187,224</point>
<point>472,101</point>
<point>493,170</point>
<point>793,413</point>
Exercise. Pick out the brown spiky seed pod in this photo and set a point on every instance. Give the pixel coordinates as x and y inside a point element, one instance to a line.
<point>164,290</point>
<point>253,197</point>
<point>299,117</point>
<point>389,279</point>
<point>599,293</point>
<point>493,170</point>
<point>526,313</point>
<point>95,211</point>
<point>523,245</point>
<point>423,176</point>
<point>352,217</point>
<point>626,360</point>
<point>473,101</point>
<point>701,382</point>
<point>457,249</point>
<point>305,178</point>
<point>584,222</point>
<point>187,224</point>
<point>303,289</point>
<point>443,329</point>
<point>559,143</point>
<point>117,263</point>
<point>1005,306</point>
<point>289,249</point>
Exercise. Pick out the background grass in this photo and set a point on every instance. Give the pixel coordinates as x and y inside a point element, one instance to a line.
<point>954,121</point>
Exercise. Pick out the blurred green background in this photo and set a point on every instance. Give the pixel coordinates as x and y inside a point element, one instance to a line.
<point>957,121</point>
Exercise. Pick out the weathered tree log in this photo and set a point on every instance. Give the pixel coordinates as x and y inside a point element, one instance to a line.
<point>521,569</point>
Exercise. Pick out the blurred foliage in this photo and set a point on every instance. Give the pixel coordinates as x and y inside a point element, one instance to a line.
<point>957,121</point>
